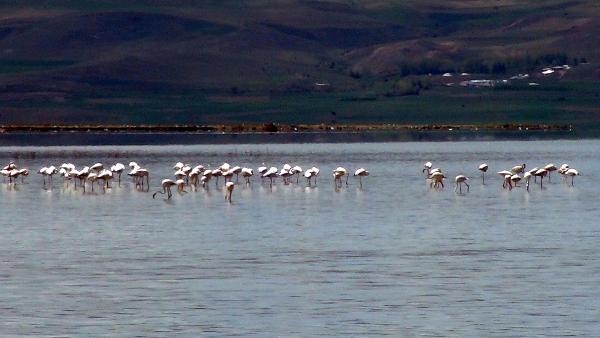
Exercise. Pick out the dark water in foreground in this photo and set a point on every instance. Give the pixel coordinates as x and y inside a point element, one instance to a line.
<point>393,258</point>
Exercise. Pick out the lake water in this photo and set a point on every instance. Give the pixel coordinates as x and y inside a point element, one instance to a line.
<point>393,258</point>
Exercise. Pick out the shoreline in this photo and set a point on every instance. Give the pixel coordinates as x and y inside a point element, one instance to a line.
<point>23,136</point>
<point>274,128</point>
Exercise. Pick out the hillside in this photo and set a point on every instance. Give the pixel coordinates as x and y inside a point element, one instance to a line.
<point>296,61</point>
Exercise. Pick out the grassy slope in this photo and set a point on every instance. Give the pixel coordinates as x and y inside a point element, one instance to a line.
<point>232,62</point>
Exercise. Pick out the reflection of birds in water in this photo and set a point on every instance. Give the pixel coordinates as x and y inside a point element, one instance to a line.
<point>483,167</point>
<point>460,180</point>
<point>361,172</point>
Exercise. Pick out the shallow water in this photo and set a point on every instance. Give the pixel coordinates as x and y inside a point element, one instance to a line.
<point>393,258</point>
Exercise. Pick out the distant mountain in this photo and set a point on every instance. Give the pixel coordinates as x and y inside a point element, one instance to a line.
<point>80,55</point>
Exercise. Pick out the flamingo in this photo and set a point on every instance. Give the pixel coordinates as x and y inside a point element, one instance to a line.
<point>361,172</point>
<point>338,174</point>
<point>4,172</point>
<point>527,176</point>
<point>532,172</point>
<point>437,178</point>
<point>138,175</point>
<point>97,167</point>
<point>83,173</point>
<point>216,173</point>
<point>105,175</point>
<point>229,190</point>
<point>118,168</point>
<point>296,170</point>
<point>247,173</point>
<point>285,174</point>
<point>193,176</point>
<point>48,171</point>
<point>310,173</point>
<point>236,170</point>
<point>92,178</point>
<point>483,167</point>
<point>315,172</point>
<point>180,174</point>
<point>517,169</point>
<point>270,173</point>
<point>541,173</point>
<point>228,175</point>
<point>460,180</point>
<point>504,173</point>
<point>180,183</point>
<point>514,179</point>
<point>572,172</point>
<point>550,168</point>
<point>10,166</point>
<point>427,168</point>
<point>206,176</point>
<point>166,186</point>
<point>262,170</point>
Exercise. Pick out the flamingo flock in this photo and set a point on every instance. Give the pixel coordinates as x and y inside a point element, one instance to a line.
<point>102,177</point>
<point>187,175</point>
<point>97,176</point>
<point>510,178</point>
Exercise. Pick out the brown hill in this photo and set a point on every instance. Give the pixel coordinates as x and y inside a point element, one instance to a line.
<point>65,52</point>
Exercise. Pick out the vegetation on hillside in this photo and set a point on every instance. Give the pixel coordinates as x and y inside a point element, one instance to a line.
<point>292,61</point>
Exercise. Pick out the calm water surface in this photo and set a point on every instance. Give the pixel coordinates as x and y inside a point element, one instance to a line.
<point>393,258</point>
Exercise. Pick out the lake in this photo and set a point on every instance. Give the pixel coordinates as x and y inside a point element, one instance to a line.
<point>394,257</point>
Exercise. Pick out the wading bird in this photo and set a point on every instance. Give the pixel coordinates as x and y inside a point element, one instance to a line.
<point>460,180</point>
<point>483,167</point>
<point>166,186</point>
<point>361,172</point>
<point>229,190</point>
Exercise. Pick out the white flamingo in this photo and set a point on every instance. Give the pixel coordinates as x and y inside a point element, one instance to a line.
<point>427,168</point>
<point>483,167</point>
<point>541,173</point>
<point>166,185</point>
<point>271,173</point>
<point>361,172</point>
<point>229,191</point>
<point>527,176</point>
<point>518,169</point>
<point>572,172</point>
<point>117,169</point>
<point>550,168</point>
<point>247,173</point>
<point>460,180</point>
<point>338,174</point>
<point>505,181</point>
